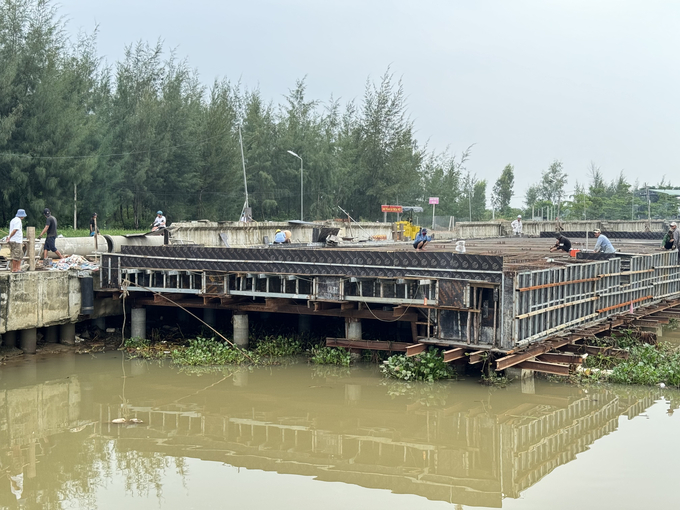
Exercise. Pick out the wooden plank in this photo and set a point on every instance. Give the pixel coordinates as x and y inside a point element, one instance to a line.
<point>667,315</point>
<point>556,284</point>
<point>372,345</point>
<point>548,368</point>
<point>454,354</point>
<point>627,303</point>
<point>413,350</point>
<point>591,349</point>
<point>651,321</point>
<point>168,297</point>
<point>554,357</point>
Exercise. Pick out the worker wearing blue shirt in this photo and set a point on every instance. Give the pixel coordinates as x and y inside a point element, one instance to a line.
<point>282,236</point>
<point>603,244</point>
<point>422,239</point>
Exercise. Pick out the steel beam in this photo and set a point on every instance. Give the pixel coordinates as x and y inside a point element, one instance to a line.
<point>548,368</point>
<point>373,345</point>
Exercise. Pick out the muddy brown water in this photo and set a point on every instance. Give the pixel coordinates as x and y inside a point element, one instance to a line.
<point>304,437</point>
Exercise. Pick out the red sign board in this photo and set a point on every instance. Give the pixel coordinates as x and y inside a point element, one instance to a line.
<point>392,208</point>
<point>434,200</point>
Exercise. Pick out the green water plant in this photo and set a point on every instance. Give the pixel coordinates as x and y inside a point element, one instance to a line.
<point>321,355</point>
<point>649,365</point>
<point>208,351</point>
<point>427,366</point>
<point>277,346</point>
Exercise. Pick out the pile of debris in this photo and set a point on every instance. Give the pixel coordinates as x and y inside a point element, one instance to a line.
<point>72,262</point>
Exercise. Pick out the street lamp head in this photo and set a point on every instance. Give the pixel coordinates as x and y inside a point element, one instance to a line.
<point>291,152</point>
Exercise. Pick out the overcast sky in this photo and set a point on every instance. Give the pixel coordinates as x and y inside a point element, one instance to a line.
<point>527,82</point>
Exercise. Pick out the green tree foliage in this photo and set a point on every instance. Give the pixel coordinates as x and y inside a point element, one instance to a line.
<point>503,191</point>
<point>144,134</point>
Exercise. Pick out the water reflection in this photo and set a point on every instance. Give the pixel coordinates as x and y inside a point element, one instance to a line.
<point>455,442</point>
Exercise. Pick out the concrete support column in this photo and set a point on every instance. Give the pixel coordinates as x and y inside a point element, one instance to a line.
<point>304,324</point>
<point>52,334</point>
<point>100,322</point>
<point>29,340</point>
<point>9,339</point>
<point>240,322</point>
<point>352,328</point>
<point>67,333</point>
<point>526,378</point>
<point>210,317</point>
<point>138,323</point>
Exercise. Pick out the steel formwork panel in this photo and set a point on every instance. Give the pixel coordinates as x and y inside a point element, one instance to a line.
<point>546,303</point>
<point>360,263</point>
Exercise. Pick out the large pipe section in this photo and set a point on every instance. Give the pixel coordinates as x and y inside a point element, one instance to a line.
<point>85,246</point>
<point>114,243</point>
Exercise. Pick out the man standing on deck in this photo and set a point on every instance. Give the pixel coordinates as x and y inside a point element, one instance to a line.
<point>603,244</point>
<point>517,226</point>
<point>51,229</point>
<point>16,239</point>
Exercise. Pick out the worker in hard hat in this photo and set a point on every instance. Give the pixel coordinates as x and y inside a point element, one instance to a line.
<point>159,222</point>
<point>517,225</point>
<point>282,236</point>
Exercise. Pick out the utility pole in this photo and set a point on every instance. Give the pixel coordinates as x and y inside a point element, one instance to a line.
<point>75,206</point>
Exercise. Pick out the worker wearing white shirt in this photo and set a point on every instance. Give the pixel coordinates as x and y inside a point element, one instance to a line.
<point>517,226</point>
<point>159,222</point>
<point>16,239</point>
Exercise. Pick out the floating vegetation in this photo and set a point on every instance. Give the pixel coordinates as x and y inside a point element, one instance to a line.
<point>277,346</point>
<point>330,356</point>
<point>428,366</point>
<point>208,351</point>
<point>647,364</point>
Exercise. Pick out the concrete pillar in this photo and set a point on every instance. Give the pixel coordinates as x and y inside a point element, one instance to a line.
<point>67,333</point>
<point>210,316</point>
<point>304,324</point>
<point>138,323</point>
<point>52,334</point>
<point>526,378</point>
<point>240,322</point>
<point>100,322</point>
<point>9,339</point>
<point>352,328</point>
<point>29,340</point>
<point>352,393</point>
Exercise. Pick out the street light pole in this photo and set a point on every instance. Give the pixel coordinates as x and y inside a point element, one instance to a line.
<point>302,188</point>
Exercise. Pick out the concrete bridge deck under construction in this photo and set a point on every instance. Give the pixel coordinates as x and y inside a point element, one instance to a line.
<point>509,297</point>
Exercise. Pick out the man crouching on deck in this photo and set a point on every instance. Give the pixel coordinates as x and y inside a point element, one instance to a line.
<point>422,239</point>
